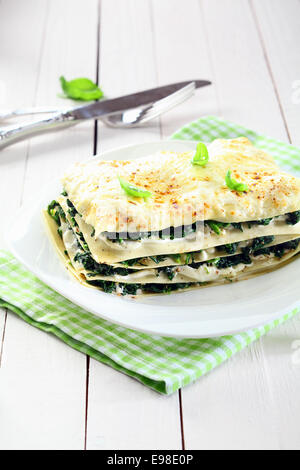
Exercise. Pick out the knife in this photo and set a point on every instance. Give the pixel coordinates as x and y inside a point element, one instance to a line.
<point>134,100</point>
<point>94,110</point>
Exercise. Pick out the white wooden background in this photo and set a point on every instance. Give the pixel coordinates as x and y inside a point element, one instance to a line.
<point>52,396</point>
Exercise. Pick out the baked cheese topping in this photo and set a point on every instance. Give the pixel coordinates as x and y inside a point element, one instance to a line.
<point>182,193</point>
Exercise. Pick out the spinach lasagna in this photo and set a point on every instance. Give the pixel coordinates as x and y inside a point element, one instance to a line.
<point>171,222</point>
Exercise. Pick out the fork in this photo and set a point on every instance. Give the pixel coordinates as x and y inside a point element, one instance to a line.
<point>122,119</point>
<point>137,116</point>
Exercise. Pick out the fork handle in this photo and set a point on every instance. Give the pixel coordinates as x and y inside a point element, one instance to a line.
<point>13,133</point>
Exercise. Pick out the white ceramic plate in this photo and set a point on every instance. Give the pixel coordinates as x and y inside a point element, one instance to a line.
<point>209,312</point>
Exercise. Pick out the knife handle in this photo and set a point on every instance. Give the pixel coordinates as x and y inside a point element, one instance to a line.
<point>10,134</point>
<point>20,112</point>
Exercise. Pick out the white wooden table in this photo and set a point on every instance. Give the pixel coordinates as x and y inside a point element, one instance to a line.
<point>52,396</point>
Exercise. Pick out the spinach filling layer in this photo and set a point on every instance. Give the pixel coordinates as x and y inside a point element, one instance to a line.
<point>132,289</point>
<point>222,263</point>
<point>182,231</point>
<point>95,268</point>
<point>257,248</point>
<point>152,288</point>
<point>172,233</point>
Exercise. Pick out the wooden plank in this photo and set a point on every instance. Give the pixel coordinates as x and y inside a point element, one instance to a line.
<point>64,53</point>
<point>232,407</point>
<point>42,391</point>
<point>20,57</point>
<point>250,402</point>
<point>43,382</point>
<point>241,73</point>
<point>278,27</point>
<point>127,64</point>
<point>281,349</point>
<point>122,413</point>
<point>182,54</point>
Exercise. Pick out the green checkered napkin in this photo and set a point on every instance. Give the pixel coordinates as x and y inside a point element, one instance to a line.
<point>164,364</point>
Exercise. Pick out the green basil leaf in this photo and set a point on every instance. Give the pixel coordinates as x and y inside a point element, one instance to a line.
<point>132,190</point>
<point>231,183</point>
<point>82,89</point>
<point>201,156</point>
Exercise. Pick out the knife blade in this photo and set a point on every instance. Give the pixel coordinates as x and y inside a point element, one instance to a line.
<point>134,100</point>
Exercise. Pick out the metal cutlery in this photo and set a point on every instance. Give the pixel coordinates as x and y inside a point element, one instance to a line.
<point>137,116</point>
<point>153,102</point>
<point>132,100</point>
<point>129,118</point>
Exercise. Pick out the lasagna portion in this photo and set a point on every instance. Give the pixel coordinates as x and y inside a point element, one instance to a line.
<point>175,221</point>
